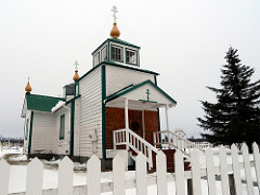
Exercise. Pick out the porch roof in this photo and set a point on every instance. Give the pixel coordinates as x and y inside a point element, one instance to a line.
<point>145,92</point>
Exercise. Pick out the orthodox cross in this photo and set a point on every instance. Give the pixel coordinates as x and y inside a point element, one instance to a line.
<point>148,93</point>
<point>114,9</point>
<point>76,64</point>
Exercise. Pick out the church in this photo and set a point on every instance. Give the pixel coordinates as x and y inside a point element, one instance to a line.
<point>114,107</point>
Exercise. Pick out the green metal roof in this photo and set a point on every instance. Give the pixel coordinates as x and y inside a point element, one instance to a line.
<point>41,102</point>
<point>133,87</point>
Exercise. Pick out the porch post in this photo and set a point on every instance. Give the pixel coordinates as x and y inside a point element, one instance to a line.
<point>167,117</point>
<point>126,114</point>
<point>167,123</point>
<point>126,124</point>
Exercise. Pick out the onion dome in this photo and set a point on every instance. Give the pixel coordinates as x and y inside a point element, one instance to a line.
<point>28,88</point>
<point>115,33</point>
<point>76,76</point>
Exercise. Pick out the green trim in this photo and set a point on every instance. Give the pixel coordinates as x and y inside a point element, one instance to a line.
<point>72,116</point>
<point>109,63</point>
<point>103,86</point>
<point>73,99</point>
<point>117,92</point>
<point>30,134</point>
<point>112,97</point>
<point>155,80</point>
<point>62,127</point>
<point>123,43</point>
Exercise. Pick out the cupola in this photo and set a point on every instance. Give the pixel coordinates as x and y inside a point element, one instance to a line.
<point>76,75</point>
<point>116,50</point>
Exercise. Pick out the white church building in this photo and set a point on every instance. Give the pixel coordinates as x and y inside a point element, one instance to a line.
<point>112,107</point>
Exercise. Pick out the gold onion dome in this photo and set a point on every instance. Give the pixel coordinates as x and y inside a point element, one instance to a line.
<point>28,88</point>
<point>115,33</point>
<point>76,76</point>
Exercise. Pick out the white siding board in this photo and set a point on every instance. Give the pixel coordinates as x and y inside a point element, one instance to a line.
<point>117,78</point>
<point>42,133</point>
<point>62,147</point>
<point>90,111</point>
<point>154,95</point>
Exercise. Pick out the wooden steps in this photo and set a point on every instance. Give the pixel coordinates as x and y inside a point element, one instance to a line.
<point>170,161</point>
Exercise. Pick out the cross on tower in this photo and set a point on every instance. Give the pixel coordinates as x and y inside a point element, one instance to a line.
<point>114,9</point>
<point>76,64</point>
<point>148,93</point>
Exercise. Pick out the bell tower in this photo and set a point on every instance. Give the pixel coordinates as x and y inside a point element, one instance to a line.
<point>116,50</point>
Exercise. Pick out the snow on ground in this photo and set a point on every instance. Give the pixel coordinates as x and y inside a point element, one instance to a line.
<point>19,163</point>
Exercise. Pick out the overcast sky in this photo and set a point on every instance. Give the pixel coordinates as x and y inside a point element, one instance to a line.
<point>183,40</point>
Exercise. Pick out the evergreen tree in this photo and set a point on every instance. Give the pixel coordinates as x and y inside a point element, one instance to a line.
<point>235,118</point>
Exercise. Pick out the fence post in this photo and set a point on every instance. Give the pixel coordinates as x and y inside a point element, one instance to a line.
<point>66,176</point>
<point>210,172</point>
<point>141,177</point>
<point>93,176</point>
<point>257,161</point>
<point>224,171</point>
<point>161,173</point>
<point>249,179</point>
<point>196,182</point>
<point>4,178</point>
<point>34,177</point>
<point>179,173</point>
<point>118,175</point>
<point>236,170</point>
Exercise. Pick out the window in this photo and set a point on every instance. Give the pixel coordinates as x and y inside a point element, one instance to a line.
<point>62,126</point>
<point>96,59</point>
<point>27,129</point>
<point>130,57</point>
<point>116,53</point>
<point>70,89</point>
<point>104,54</point>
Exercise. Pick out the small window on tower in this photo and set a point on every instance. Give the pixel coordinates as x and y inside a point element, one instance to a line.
<point>96,59</point>
<point>104,54</point>
<point>116,53</point>
<point>130,57</point>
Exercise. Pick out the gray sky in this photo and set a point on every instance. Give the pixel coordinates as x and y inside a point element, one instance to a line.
<point>185,41</point>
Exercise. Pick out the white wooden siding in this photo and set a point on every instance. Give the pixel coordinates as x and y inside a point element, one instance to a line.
<point>42,133</point>
<point>117,78</point>
<point>141,94</point>
<point>90,114</point>
<point>26,141</point>
<point>76,127</point>
<point>62,147</point>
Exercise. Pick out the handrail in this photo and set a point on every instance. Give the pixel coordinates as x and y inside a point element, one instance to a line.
<point>135,142</point>
<point>173,140</point>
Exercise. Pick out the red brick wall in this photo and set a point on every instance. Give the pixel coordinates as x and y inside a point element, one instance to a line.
<point>115,119</point>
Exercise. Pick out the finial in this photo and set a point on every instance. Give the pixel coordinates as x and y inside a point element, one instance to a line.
<point>115,33</point>
<point>76,75</point>
<point>28,87</point>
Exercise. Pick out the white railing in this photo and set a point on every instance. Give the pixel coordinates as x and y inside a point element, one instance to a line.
<point>234,172</point>
<point>133,141</point>
<point>168,139</point>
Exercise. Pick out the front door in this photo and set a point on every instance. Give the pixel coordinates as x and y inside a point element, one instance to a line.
<point>135,122</point>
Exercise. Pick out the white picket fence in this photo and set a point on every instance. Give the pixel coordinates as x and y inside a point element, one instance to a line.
<point>240,163</point>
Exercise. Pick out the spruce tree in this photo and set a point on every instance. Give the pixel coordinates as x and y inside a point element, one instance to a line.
<point>235,118</point>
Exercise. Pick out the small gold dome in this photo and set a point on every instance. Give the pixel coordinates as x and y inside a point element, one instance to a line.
<point>115,33</point>
<point>76,76</point>
<point>28,88</point>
